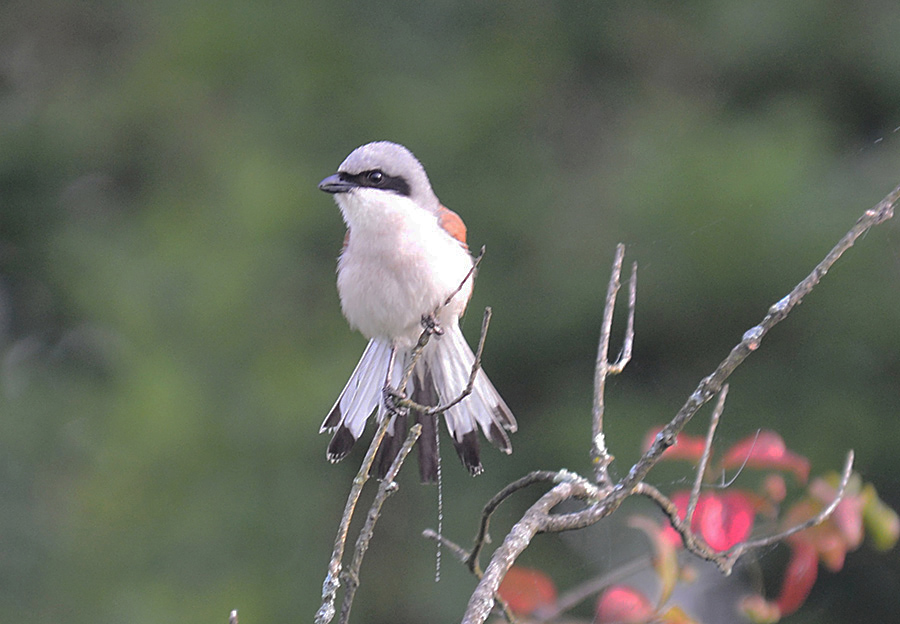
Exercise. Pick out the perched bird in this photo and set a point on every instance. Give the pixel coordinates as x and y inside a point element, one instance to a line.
<point>404,255</point>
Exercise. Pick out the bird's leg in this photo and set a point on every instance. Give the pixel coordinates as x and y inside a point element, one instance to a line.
<point>393,399</point>
<point>430,324</point>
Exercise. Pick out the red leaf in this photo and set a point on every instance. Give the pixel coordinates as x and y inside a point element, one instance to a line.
<point>622,603</point>
<point>725,520</point>
<point>799,577</point>
<point>766,450</point>
<point>526,590</point>
<point>722,520</point>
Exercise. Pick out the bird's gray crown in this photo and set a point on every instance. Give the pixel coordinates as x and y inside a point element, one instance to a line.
<point>396,161</point>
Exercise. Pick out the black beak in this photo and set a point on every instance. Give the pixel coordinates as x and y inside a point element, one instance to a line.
<point>333,184</point>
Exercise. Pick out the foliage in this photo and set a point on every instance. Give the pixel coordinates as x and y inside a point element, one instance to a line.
<point>723,518</point>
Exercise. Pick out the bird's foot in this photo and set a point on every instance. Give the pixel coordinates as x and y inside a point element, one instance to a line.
<point>393,399</point>
<point>431,326</point>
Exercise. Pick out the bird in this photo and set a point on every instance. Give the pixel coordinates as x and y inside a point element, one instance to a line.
<point>404,262</point>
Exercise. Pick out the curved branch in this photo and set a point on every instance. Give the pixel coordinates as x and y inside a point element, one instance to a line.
<point>519,537</point>
<point>539,476</point>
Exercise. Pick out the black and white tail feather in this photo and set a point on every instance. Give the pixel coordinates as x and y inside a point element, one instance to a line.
<point>440,376</point>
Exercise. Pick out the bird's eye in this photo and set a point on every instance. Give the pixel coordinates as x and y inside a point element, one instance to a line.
<point>375,178</point>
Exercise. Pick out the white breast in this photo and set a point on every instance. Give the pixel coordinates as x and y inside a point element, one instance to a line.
<point>399,265</point>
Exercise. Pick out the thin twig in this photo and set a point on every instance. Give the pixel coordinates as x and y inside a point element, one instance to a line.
<point>600,455</point>
<point>625,354</point>
<point>471,272</point>
<point>724,485</point>
<point>455,549</point>
<point>707,451</point>
<point>387,487</point>
<point>737,550</point>
<point>333,579</point>
<point>725,560</point>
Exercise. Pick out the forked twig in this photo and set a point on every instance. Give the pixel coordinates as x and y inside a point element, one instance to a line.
<point>387,487</point>
<point>600,454</point>
<point>333,577</point>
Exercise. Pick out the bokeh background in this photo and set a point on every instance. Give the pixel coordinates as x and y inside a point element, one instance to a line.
<point>170,333</point>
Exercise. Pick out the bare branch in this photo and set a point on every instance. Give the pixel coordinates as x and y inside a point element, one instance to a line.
<point>471,272</point>
<point>540,476</point>
<point>387,487</point>
<point>600,455</point>
<point>519,537</point>
<point>707,450</point>
<point>752,338</point>
<point>332,579</point>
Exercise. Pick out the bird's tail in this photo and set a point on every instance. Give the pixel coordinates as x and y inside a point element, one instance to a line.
<point>358,399</point>
<point>440,377</point>
<point>450,365</point>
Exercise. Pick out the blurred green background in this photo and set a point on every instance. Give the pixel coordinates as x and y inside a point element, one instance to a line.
<point>170,333</point>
